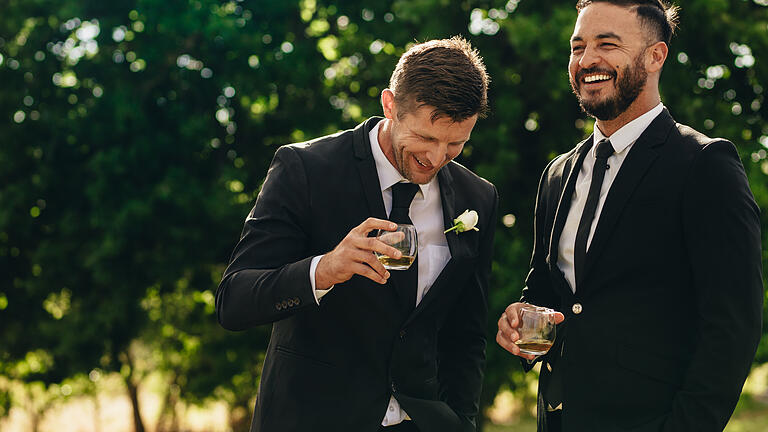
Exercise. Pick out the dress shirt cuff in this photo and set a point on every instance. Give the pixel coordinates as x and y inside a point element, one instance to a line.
<point>318,292</point>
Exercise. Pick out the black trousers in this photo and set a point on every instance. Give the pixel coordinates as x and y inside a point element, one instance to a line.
<point>406,426</point>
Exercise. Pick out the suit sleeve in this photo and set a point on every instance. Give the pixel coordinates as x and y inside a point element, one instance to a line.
<point>462,339</point>
<point>722,233</point>
<point>268,274</point>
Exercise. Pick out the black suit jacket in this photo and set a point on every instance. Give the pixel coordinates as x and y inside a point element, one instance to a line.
<point>671,294</point>
<point>334,366</point>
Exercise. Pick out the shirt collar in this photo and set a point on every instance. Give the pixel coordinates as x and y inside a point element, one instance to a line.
<point>388,174</point>
<point>630,132</point>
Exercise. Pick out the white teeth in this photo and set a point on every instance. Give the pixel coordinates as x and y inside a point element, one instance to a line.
<point>420,163</point>
<point>595,78</point>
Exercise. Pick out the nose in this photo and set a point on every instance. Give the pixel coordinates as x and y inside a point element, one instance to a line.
<point>588,58</point>
<point>437,154</point>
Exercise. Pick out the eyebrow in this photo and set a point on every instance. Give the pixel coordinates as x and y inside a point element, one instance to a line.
<point>431,138</point>
<point>609,35</point>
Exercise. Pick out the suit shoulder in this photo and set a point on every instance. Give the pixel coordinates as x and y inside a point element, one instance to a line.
<point>465,175</point>
<point>704,151</point>
<point>325,149</point>
<point>691,137</point>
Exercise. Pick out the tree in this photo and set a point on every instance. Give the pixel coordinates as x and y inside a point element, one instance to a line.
<point>136,134</point>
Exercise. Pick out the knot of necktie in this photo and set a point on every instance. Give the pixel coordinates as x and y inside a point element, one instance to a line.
<point>402,195</point>
<point>604,149</point>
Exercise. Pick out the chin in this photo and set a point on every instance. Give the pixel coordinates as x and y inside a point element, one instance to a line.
<point>421,178</point>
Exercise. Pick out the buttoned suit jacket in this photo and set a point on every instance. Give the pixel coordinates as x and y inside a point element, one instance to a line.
<point>665,320</point>
<point>333,366</point>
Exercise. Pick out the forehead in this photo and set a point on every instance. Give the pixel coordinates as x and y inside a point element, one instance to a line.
<point>419,121</point>
<point>600,19</point>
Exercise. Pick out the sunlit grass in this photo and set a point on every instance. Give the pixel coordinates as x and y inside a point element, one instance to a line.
<point>110,410</point>
<point>751,414</point>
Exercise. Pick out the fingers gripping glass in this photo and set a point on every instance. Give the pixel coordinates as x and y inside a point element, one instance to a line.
<point>403,239</point>
<point>537,330</point>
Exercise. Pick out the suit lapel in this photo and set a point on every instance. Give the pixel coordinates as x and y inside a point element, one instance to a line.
<point>460,251</point>
<point>570,173</point>
<point>457,247</point>
<point>366,167</point>
<point>640,158</point>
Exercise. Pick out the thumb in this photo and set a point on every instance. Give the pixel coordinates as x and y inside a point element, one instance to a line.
<point>559,317</point>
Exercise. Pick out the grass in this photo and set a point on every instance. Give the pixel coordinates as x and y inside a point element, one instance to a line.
<point>110,411</point>
<point>751,414</point>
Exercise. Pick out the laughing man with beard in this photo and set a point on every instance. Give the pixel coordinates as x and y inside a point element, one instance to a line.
<point>647,240</point>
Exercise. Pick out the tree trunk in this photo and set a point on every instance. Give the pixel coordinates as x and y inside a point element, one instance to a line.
<point>34,422</point>
<point>168,421</point>
<point>133,393</point>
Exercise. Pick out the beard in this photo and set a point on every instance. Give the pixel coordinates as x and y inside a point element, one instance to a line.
<point>628,87</point>
<point>402,163</point>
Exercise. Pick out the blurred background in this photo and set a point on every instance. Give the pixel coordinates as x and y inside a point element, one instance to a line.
<point>134,136</point>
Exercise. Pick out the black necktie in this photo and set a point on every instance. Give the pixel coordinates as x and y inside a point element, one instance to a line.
<point>603,152</point>
<point>402,195</point>
<point>406,280</point>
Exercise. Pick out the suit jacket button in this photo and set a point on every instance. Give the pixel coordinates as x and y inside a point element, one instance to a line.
<point>278,306</point>
<point>284,303</point>
<point>394,387</point>
<point>577,308</point>
<point>402,334</point>
<point>296,300</point>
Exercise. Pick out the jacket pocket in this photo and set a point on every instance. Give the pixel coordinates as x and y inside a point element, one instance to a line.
<point>657,366</point>
<point>289,352</point>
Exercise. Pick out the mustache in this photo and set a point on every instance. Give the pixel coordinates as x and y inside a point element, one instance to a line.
<point>580,74</point>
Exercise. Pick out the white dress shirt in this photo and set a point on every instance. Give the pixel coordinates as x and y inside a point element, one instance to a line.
<point>622,141</point>
<point>426,213</point>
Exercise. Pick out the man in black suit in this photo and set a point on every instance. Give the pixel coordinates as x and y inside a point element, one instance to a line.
<point>647,238</point>
<point>353,346</point>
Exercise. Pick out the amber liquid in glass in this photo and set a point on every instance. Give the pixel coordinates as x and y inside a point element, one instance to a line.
<point>534,346</point>
<point>401,263</point>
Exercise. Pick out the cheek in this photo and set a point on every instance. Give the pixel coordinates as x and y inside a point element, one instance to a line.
<point>572,68</point>
<point>414,146</point>
<point>453,153</point>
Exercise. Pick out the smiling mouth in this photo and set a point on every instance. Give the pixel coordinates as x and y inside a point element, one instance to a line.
<point>422,164</point>
<point>596,78</point>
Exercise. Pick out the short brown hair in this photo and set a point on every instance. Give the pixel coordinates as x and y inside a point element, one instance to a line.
<point>447,74</point>
<point>658,16</point>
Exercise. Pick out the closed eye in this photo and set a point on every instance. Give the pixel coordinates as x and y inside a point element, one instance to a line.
<point>426,138</point>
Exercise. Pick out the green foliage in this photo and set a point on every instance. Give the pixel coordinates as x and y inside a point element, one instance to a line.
<point>135,136</point>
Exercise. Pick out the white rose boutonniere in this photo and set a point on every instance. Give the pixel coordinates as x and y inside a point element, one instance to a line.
<point>464,222</point>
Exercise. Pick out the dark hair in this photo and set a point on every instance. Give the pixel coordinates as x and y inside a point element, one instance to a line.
<point>447,74</point>
<point>656,15</point>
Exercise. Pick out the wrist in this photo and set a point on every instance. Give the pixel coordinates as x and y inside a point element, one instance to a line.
<point>322,279</point>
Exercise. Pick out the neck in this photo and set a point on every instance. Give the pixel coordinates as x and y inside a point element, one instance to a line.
<point>385,141</point>
<point>641,105</point>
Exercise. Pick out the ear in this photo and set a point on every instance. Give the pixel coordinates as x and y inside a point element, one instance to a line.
<point>388,103</point>
<point>656,56</point>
